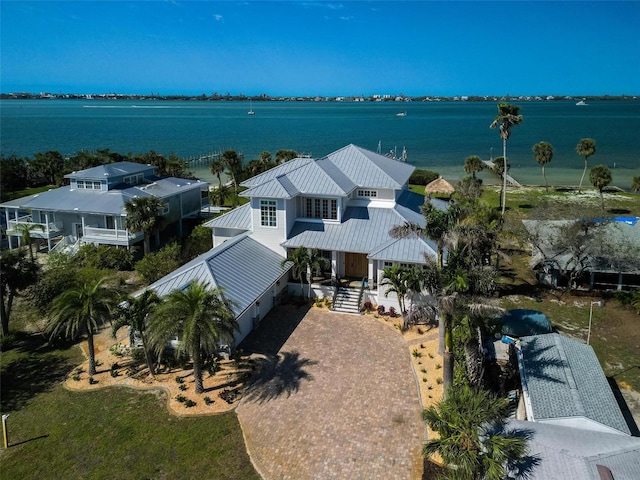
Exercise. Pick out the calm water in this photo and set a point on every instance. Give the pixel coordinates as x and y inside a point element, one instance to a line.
<point>437,135</point>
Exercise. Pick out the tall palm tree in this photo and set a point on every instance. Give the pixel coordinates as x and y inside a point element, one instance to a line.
<point>543,153</point>
<point>217,169</point>
<point>232,161</point>
<point>507,118</point>
<point>471,438</point>
<point>473,165</point>
<point>25,230</point>
<point>299,260</point>
<point>144,214</point>
<point>600,177</point>
<point>82,310</point>
<point>203,319</point>
<point>135,313</point>
<point>585,148</point>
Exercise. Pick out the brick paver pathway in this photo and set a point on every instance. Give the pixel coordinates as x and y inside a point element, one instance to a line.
<point>339,403</point>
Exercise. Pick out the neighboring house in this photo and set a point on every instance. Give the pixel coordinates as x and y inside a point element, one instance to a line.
<point>563,384</point>
<point>574,426</point>
<point>602,254</point>
<point>344,205</point>
<point>249,273</point>
<point>91,207</point>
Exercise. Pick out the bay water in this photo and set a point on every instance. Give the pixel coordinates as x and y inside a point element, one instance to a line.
<point>437,135</point>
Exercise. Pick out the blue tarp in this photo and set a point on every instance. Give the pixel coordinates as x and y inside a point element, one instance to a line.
<point>522,322</point>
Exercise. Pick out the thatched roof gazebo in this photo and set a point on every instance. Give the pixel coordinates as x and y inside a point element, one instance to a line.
<point>439,186</point>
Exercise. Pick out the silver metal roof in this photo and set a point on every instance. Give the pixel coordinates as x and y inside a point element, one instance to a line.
<point>336,174</point>
<point>571,453</point>
<point>111,170</point>
<point>239,217</point>
<point>244,268</point>
<point>362,230</point>
<point>407,250</point>
<point>564,380</point>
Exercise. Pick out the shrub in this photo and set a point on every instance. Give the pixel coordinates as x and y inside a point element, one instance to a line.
<point>392,312</point>
<point>208,400</point>
<point>423,370</point>
<point>181,398</point>
<point>114,369</point>
<point>424,379</point>
<point>104,257</point>
<point>439,380</point>
<point>367,307</point>
<point>182,387</point>
<point>381,310</point>
<point>76,377</point>
<point>179,379</point>
<point>422,177</point>
<point>154,266</point>
<point>190,403</point>
<point>438,366</point>
<point>416,353</point>
<point>92,381</point>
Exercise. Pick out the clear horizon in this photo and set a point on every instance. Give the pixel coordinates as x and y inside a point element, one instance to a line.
<point>316,48</point>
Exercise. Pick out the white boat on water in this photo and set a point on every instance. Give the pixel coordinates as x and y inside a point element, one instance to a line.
<point>581,103</point>
<point>251,112</point>
<point>401,114</point>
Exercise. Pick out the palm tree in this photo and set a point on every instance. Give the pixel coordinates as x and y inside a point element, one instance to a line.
<point>232,161</point>
<point>585,148</point>
<point>82,310</point>
<point>135,314</point>
<point>203,319</point>
<point>315,264</point>
<point>471,438</point>
<point>635,184</point>
<point>25,230</point>
<point>217,169</point>
<point>299,260</point>
<point>17,274</point>
<point>543,153</point>
<point>507,118</point>
<point>144,214</point>
<point>220,194</point>
<point>438,225</point>
<point>395,278</point>
<point>600,177</point>
<point>473,165</point>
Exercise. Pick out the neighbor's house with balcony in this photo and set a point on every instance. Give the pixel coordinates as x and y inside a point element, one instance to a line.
<point>91,209</point>
<point>344,205</point>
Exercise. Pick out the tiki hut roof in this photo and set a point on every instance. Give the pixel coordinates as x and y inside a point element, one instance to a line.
<point>440,185</point>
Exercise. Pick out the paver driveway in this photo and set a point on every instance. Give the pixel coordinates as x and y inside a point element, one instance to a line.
<point>339,401</point>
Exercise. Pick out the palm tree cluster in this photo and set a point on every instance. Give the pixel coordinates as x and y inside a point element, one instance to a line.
<point>305,263</point>
<point>200,316</point>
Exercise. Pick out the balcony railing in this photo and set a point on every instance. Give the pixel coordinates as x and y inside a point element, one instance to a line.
<point>110,235</point>
<point>50,229</point>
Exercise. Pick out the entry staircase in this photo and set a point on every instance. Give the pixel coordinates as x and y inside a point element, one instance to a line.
<point>348,300</point>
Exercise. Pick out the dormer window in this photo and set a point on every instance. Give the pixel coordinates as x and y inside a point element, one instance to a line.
<point>321,208</point>
<point>88,185</point>
<point>268,217</point>
<point>134,179</point>
<point>368,193</point>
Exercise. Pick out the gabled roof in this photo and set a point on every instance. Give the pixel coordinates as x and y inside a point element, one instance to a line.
<point>571,453</point>
<point>406,250</point>
<point>111,170</point>
<point>565,381</point>
<point>239,217</point>
<point>362,230</point>
<point>336,174</point>
<point>244,268</point>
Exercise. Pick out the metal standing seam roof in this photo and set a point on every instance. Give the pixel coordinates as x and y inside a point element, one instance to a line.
<point>564,380</point>
<point>272,173</point>
<point>362,230</point>
<point>408,250</point>
<point>167,187</point>
<point>239,217</point>
<point>110,170</point>
<point>244,268</point>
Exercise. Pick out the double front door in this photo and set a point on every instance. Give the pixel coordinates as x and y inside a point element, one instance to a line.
<point>356,265</point>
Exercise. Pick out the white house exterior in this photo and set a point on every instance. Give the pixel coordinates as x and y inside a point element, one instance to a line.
<point>91,207</point>
<point>344,205</point>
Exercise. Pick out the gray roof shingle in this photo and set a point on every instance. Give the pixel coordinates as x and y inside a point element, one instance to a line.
<point>564,379</point>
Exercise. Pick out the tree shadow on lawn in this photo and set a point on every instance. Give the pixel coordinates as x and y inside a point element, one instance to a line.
<point>279,375</point>
<point>38,368</point>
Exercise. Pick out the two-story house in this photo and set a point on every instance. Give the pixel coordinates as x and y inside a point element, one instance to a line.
<point>344,205</point>
<point>92,206</point>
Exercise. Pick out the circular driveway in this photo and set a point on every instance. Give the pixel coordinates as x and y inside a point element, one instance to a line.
<point>337,401</point>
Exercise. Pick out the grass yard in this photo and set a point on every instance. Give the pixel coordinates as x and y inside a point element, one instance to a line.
<point>114,433</point>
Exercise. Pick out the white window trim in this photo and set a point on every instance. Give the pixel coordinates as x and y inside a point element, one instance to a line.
<point>267,205</point>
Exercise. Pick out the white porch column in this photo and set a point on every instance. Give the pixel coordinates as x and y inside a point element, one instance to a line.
<point>46,219</point>
<point>334,264</point>
<point>370,273</point>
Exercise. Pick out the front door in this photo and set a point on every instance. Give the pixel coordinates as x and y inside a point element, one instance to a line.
<point>356,265</point>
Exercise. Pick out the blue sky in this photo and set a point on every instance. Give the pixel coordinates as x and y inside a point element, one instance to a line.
<point>321,47</point>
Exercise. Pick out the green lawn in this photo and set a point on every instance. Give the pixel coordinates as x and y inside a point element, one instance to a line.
<point>116,433</point>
